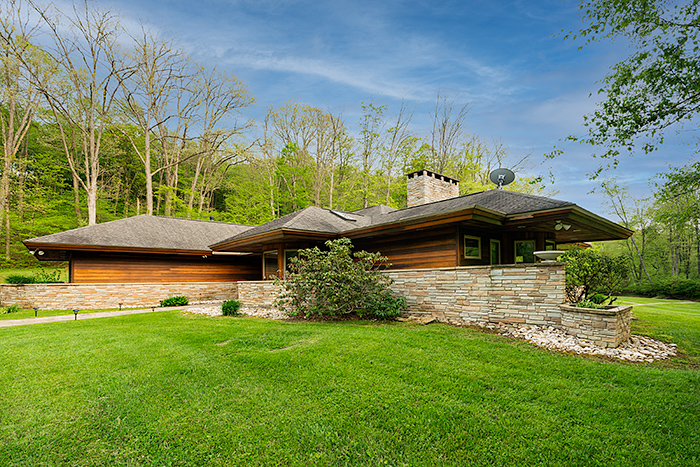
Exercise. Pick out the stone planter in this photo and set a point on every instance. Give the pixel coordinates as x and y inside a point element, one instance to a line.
<point>608,327</point>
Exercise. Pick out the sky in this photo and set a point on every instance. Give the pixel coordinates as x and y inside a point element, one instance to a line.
<point>526,86</point>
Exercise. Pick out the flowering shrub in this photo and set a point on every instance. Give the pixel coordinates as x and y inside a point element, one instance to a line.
<point>336,283</point>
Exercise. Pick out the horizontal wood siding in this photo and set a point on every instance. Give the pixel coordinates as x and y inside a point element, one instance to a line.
<point>134,269</point>
<point>434,248</point>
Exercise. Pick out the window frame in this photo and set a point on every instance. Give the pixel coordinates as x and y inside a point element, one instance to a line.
<point>500,252</point>
<point>464,246</point>
<point>515,250</point>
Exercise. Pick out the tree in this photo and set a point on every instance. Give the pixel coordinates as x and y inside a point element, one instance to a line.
<point>19,61</point>
<point>86,53</point>
<point>657,86</point>
<point>447,132</point>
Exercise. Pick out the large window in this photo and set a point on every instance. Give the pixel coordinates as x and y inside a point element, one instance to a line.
<point>495,250</point>
<point>289,254</point>
<point>472,247</point>
<point>524,250</point>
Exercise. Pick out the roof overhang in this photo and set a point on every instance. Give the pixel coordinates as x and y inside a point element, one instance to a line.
<point>569,224</point>
<point>37,246</point>
<point>257,243</point>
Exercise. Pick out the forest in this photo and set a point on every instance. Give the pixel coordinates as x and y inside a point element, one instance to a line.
<point>99,124</point>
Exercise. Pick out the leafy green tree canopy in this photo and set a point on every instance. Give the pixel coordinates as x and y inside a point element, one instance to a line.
<point>655,87</point>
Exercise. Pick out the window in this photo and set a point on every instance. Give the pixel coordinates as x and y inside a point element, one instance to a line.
<point>269,264</point>
<point>472,247</point>
<point>524,250</point>
<point>495,252</point>
<point>550,245</point>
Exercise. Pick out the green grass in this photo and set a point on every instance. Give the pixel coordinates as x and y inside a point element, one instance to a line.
<point>167,389</point>
<point>33,271</point>
<point>676,321</point>
<point>23,314</point>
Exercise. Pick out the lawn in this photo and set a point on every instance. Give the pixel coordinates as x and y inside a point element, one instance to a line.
<point>167,389</point>
<point>676,321</point>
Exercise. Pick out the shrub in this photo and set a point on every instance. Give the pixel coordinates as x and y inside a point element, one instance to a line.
<point>597,298</point>
<point>231,307</point>
<point>180,300</point>
<point>47,277</point>
<point>590,304</point>
<point>20,279</point>
<point>589,273</point>
<point>336,283</point>
<point>11,309</point>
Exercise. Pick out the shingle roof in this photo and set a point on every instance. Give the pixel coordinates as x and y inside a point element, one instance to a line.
<point>151,232</point>
<point>314,219</point>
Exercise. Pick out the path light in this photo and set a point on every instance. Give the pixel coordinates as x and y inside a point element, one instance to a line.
<point>76,314</point>
<point>120,306</point>
<point>35,311</point>
<point>153,308</point>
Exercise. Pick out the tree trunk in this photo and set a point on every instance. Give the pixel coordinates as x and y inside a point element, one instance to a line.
<point>7,232</point>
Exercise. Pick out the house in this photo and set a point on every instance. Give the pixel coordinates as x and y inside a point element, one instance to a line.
<point>439,228</point>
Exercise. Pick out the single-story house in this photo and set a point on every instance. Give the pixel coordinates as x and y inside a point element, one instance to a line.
<point>439,228</point>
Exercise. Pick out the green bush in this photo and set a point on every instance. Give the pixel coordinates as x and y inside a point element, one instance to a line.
<point>180,300</point>
<point>589,273</point>
<point>680,289</point>
<point>590,304</point>
<point>337,283</point>
<point>11,309</point>
<point>597,298</point>
<point>20,279</point>
<point>47,277</point>
<point>231,307</point>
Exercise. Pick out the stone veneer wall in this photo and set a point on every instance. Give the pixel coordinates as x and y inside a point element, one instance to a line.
<point>607,328</point>
<point>258,293</point>
<point>428,187</point>
<point>96,296</point>
<point>515,294</point>
<point>522,294</point>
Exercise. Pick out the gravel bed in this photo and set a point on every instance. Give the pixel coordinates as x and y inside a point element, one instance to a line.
<point>636,349</point>
<point>259,312</point>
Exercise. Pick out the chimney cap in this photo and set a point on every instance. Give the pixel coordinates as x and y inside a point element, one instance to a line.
<point>430,173</point>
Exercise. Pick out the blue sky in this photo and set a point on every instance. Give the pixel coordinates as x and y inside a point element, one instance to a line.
<point>526,86</point>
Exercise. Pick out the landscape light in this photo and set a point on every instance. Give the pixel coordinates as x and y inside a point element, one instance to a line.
<point>76,314</point>
<point>120,306</point>
<point>35,311</point>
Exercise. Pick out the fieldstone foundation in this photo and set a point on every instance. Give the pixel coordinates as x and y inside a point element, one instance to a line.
<point>99,296</point>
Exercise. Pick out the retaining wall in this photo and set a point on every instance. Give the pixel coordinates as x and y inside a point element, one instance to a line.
<point>523,294</point>
<point>98,296</point>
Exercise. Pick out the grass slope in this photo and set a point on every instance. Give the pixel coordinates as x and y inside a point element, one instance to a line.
<point>167,389</point>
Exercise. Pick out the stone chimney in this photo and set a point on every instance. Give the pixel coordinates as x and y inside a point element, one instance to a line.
<point>424,186</point>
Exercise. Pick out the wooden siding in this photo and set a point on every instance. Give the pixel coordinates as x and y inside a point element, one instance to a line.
<point>434,248</point>
<point>135,269</point>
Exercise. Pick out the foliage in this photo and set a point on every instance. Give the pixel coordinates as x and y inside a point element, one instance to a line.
<point>11,309</point>
<point>179,300</point>
<point>680,289</point>
<point>231,308</point>
<point>589,273</point>
<point>336,283</point>
<point>48,277</point>
<point>655,87</point>
<point>20,279</point>
<point>591,304</point>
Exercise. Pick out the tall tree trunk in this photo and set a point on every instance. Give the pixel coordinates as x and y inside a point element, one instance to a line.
<point>7,232</point>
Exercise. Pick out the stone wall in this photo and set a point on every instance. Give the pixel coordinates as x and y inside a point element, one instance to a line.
<point>258,293</point>
<point>424,187</point>
<point>99,296</point>
<point>522,294</point>
<point>515,294</point>
<point>606,328</point>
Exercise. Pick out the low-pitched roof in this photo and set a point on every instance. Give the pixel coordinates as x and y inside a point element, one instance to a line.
<point>143,232</point>
<point>500,203</point>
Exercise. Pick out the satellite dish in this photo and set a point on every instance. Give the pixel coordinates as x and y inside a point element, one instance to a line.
<point>502,177</point>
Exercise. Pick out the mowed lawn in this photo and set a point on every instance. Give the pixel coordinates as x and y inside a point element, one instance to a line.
<point>167,389</point>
